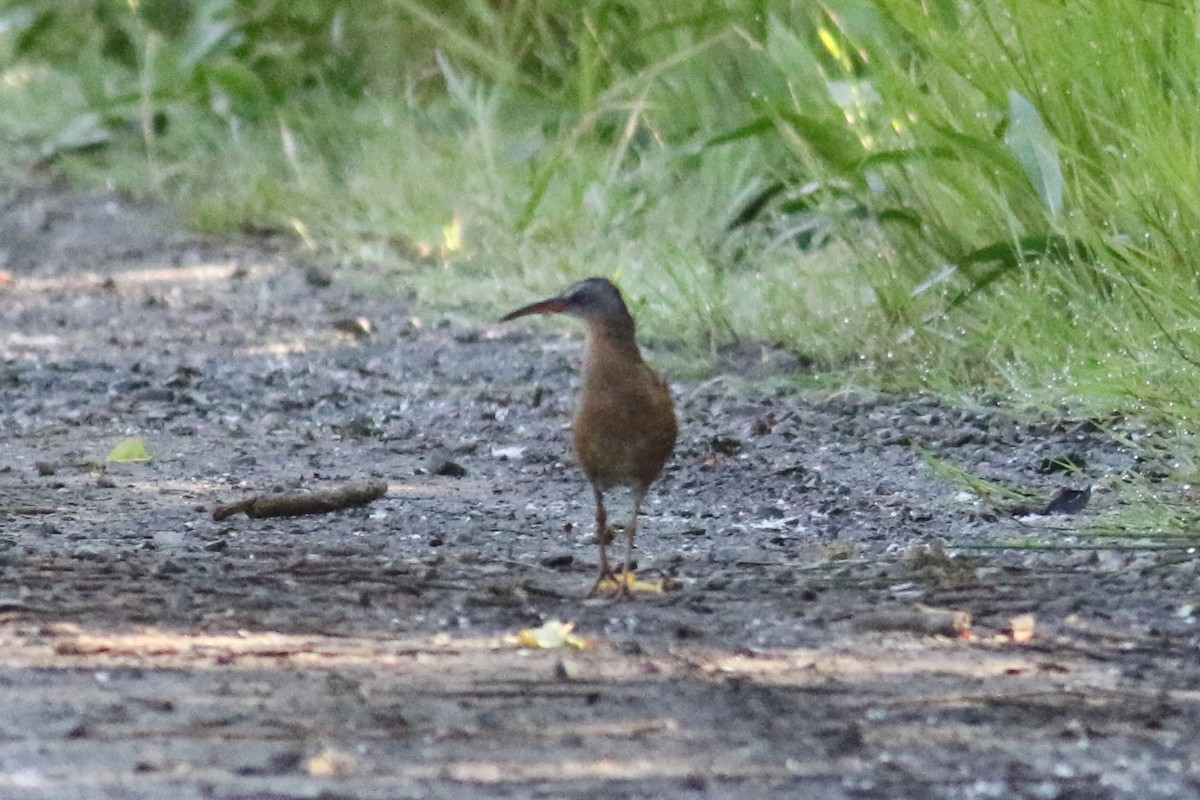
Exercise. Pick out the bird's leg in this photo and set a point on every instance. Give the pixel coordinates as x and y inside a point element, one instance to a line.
<point>603,538</point>
<point>630,532</point>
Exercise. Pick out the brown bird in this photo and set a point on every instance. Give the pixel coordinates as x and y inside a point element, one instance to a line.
<point>625,425</point>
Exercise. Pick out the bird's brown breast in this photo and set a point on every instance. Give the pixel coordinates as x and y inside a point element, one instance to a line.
<point>625,427</point>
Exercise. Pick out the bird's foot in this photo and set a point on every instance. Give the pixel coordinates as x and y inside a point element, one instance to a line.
<point>607,583</point>
<point>624,584</point>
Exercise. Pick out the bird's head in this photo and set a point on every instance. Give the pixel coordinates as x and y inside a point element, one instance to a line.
<point>596,300</point>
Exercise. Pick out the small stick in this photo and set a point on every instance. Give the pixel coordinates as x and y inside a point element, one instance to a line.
<point>27,510</point>
<point>300,504</point>
<point>919,619</point>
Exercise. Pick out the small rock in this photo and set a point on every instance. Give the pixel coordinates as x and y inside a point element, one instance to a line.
<point>843,741</point>
<point>1069,501</point>
<point>959,439</point>
<point>359,427</point>
<point>168,538</point>
<point>468,337</point>
<point>726,445</point>
<point>317,277</point>
<point>629,647</point>
<point>169,567</point>
<point>359,327</point>
<point>763,425</point>
<point>890,437</point>
<point>558,560</point>
<point>440,463</point>
<point>90,552</point>
<point>154,394</point>
<point>279,763</point>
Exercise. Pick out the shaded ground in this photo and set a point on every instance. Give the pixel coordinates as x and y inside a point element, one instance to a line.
<point>148,651</point>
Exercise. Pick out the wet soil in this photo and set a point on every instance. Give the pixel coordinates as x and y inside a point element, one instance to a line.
<point>811,643</point>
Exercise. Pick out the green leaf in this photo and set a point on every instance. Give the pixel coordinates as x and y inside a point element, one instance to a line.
<point>791,55</point>
<point>130,451</point>
<point>972,145</point>
<point>30,36</point>
<point>539,185</point>
<point>236,87</point>
<point>1053,248</point>
<point>760,126</point>
<point>169,17</point>
<point>946,12</point>
<point>82,133</point>
<point>1035,150</point>
<point>205,39</point>
<point>827,139</point>
<point>1007,257</point>
<point>906,155</point>
<point>903,216</point>
<point>830,141</point>
<point>753,206</point>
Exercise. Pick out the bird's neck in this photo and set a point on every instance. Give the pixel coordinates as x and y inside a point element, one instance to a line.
<point>612,339</point>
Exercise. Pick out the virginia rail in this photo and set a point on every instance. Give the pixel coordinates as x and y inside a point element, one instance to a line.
<point>624,428</point>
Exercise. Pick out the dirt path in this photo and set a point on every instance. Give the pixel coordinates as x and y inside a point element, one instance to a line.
<point>147,651</point>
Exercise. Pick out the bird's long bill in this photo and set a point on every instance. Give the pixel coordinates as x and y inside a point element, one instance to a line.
<point>553,305</point>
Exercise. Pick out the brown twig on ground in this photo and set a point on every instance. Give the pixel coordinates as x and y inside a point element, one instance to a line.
<point>299,504</point>
<point>919,619</point>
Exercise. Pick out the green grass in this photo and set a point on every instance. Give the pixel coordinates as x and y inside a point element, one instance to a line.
<point>990,492</point>
<point>973,197</point>
<point>381,202</point>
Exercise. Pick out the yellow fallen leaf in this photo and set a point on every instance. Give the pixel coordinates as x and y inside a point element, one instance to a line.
<point>1022,628</point>
<point>552,634</point>
<point>130,451</point>
<point>331,763</point>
